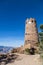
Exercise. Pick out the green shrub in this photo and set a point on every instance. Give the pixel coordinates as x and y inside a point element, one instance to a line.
<point>26,51</point>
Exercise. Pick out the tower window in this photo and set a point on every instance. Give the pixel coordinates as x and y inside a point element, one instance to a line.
<point>32,21</point>
<point>29,22</point>
<point>26,22</point>
<point>27,34</point>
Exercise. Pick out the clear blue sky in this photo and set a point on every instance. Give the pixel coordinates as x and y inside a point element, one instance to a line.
<point>13,14</point>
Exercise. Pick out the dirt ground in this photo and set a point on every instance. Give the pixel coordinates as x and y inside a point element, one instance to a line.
<point>26,60</point>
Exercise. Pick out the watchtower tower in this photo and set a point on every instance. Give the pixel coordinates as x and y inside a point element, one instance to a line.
<point>31,33</point>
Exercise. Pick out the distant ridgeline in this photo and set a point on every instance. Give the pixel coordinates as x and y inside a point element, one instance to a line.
<point>4,49</point>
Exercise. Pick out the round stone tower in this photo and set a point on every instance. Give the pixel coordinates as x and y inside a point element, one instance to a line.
<point>31,33</point>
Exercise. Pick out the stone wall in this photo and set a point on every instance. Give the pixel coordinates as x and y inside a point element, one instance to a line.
<point>31,33</point>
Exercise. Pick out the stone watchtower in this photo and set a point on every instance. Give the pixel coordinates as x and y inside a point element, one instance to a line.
<point>31,33</point>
